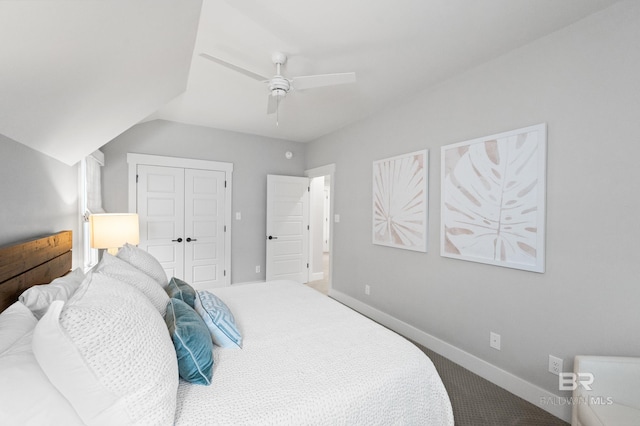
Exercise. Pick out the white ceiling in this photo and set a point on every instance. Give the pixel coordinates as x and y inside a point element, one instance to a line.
<point>123,60</point>
<point>396,48</point>
<point>76,74</point>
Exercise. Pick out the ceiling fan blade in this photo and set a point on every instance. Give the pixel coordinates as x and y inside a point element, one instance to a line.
<point>272,104</point>
<point>234,67</point>
<point>321,80</point>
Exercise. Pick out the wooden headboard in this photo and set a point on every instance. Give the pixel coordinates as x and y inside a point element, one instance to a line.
<point>33,262</point>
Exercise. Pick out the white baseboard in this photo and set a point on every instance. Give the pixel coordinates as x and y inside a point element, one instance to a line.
<point>516,385</point>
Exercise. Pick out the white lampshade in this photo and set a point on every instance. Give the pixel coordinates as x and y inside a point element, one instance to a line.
<point>113,230</point>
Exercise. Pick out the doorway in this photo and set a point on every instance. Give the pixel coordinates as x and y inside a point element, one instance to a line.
<point>299,243</point>
<point>321,212</point>
<point>287,243</point>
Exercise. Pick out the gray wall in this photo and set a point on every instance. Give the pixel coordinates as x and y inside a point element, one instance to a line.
<point>39,195</point>
<point>583,82</point>
<point>253,157</point>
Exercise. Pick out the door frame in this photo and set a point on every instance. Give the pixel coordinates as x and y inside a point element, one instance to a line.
<point>327,170</point>
<point>134,160</point>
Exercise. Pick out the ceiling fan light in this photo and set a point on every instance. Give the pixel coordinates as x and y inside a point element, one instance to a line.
<point>278,93</point>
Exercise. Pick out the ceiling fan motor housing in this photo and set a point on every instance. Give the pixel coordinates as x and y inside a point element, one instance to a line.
<point>279,86</point>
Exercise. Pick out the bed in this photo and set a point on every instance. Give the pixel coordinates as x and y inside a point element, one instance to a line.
<point>303,357</point>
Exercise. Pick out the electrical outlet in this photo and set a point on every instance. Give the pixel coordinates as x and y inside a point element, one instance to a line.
<point>555,365</point>
<point>494,340</point>
<point>257,269</point>
<point>367,290</point>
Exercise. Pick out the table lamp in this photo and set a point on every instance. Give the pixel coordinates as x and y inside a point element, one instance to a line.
<point>113,230</point>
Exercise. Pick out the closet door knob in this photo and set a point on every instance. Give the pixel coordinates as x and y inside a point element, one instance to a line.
<point>189,239</point>
<point>272,237</point>
<point>178,240</point>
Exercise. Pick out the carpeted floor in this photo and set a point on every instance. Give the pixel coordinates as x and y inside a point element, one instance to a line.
<point>478,402</point>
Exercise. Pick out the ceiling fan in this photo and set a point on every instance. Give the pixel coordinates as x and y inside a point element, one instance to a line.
<point>280,85</point>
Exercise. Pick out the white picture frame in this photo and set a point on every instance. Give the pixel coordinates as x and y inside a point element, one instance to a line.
<point>493,199</point>
<point>400,201</point>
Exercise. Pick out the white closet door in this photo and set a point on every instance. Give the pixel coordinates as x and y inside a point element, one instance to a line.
<point>204,228</point>
<point>160,201</point>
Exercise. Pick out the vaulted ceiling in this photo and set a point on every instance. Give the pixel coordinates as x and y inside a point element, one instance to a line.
<point>76,74</point>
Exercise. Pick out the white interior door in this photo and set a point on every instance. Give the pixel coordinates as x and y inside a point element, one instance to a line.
<point>287,228</point>
<point>160,201</point>
<point>204,228</point>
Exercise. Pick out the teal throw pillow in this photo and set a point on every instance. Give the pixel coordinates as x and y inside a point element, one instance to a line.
<point>179,289</point>
<point>192,341</point>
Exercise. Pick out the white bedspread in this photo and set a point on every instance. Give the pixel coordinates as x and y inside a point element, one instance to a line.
<point>308,360</point>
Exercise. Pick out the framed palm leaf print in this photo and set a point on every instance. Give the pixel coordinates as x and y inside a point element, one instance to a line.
<point>400,188</point>
<point>493,199</point>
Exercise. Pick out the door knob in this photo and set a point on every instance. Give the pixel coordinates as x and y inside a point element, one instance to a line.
<point>178,240</point>
<point>189,239</point>
<point>272,237</point>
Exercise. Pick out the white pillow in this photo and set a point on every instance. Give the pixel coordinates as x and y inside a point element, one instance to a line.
<point>39,297</point>
<point>15,322</point>
<point>123,271</point>
<point>109,353</point>
<point>145,262</point>
<point>27,395</point>
<point>219,320</point>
